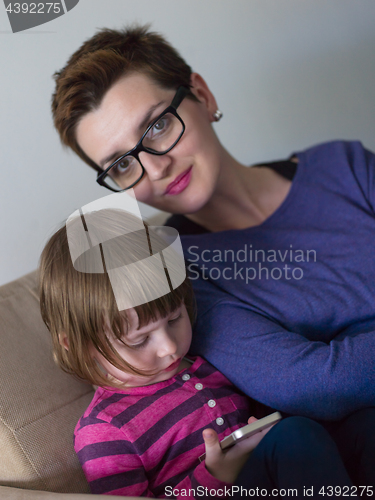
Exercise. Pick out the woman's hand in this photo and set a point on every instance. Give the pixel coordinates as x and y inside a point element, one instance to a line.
<point>226,465</point>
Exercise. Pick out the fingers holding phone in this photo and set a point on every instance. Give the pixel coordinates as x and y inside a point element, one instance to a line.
<point>224,460</point>
<point>224,465</point>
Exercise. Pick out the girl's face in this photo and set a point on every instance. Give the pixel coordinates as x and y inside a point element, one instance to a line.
<point>181,181</point>
<point>157,347</point>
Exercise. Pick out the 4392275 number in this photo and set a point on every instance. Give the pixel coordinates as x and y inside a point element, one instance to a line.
<point>33,8</point>
<point>346,491</point>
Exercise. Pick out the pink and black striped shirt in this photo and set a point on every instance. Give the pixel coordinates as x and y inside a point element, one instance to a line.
<point>138,441</point>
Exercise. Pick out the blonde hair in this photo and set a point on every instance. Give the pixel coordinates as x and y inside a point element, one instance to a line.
<point>82,305</point>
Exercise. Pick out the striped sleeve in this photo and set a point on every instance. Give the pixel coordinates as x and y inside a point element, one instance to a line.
<point>109,461</point>
<point>113,467</point>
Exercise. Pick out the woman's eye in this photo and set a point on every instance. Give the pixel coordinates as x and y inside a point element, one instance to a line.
<point>160,127</point>
<point>123,167</point>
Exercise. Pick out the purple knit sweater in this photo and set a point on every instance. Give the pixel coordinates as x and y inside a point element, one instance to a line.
<point>286,309</point>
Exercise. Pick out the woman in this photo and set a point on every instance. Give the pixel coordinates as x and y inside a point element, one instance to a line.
<point>280,254</point>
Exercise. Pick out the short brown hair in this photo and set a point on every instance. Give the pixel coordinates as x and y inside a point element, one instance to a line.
<point>99,63</point>
<point>83,307</point>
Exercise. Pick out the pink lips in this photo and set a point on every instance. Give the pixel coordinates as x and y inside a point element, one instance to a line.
<point>173,365</point>
<point>180,183</point>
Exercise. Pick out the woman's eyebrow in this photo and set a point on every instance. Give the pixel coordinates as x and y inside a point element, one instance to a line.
<point>148,115</point>
<point>141,128</point>
<point>109,159</point>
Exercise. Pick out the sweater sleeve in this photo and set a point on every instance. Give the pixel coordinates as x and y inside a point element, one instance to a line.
<point>362,164</point>
<point>112,467</point>
<point>285,370</point>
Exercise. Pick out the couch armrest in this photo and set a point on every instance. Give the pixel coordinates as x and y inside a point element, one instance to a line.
<point>39,403</point>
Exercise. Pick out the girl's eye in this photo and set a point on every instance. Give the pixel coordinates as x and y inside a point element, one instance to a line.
<point>174,320</point>
<point>141,344</point>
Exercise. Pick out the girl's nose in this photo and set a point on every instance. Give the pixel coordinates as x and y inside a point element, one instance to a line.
<point>167,345</point>
<point>157,167</point>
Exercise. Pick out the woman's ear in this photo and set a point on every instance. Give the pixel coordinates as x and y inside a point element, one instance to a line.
<point>203,93</point>
<point>64,342</point>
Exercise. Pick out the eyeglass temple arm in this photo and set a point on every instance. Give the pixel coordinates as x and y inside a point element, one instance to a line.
<point>180,94</point>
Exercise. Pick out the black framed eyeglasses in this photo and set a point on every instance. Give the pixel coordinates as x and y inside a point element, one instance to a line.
<point>159,138</point>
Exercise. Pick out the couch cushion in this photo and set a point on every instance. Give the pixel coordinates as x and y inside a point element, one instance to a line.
<point>7,493</point>
<point>39,403</point>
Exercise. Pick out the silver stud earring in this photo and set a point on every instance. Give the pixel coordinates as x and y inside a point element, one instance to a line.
<point>217,115</point>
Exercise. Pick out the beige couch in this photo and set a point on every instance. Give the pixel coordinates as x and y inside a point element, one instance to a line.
<point>39,404</point>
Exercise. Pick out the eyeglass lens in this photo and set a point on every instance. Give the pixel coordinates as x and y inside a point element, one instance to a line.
<point>161,137</point>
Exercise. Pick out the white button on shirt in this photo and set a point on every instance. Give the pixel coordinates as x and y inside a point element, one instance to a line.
<point>211,403</point>
<point>219,421</point>
<point>199,387</point>
<point>185,376</point>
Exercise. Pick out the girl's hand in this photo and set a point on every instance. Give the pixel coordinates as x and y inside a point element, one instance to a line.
<point>226,465</point>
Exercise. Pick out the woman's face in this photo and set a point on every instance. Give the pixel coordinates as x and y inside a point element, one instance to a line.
<point>181,181</point>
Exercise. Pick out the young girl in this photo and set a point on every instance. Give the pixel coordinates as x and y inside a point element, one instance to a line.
<point>156,411</point>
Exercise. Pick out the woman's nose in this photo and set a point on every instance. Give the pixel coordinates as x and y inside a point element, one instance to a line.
<point>156,166</point>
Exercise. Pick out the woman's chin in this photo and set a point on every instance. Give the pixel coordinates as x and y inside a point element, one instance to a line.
<point>188,202</point>
<point>189,207</point>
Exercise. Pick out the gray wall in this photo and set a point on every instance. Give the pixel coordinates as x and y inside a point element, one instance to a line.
<point>286,73</point>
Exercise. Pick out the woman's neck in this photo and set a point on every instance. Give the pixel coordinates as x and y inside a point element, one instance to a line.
<point>243,197</point>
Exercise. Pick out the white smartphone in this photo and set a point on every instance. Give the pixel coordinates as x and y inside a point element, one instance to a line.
<point>247,431</point>
<point>250,430</point>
